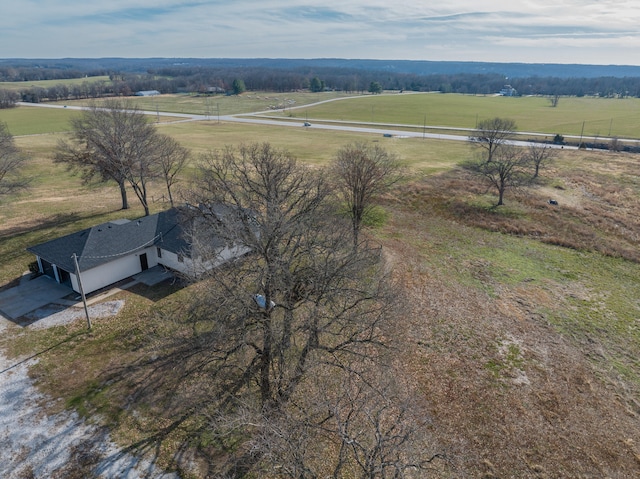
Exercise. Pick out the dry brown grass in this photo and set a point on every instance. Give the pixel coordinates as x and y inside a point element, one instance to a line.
<point>508,394</point>
<point>516,388</point>
<point>598,200</point>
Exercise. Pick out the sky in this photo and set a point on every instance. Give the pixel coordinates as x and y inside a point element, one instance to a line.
<point>537,31</point>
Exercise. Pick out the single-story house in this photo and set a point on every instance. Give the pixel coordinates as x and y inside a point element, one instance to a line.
<point>110,252</point>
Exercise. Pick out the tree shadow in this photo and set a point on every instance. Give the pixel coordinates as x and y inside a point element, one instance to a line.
<point>69,338</point>
<point>58,221</point>
<point>158,291</point>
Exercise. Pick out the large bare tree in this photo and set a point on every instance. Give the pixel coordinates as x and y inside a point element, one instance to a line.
<point>492,133</point>
<point>509,168</point>
<point>363,172</point>
<point>302,285</point>
<point>113,141</point>
<point>11,162</point>
<point>303,304</point>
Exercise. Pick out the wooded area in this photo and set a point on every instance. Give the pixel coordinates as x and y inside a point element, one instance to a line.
<point>179,78</point>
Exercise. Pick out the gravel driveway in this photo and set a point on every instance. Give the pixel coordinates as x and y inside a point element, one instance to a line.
<point>34,444</point>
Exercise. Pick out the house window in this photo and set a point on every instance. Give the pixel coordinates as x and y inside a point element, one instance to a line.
<point>159,252</point>
<point>180,258</point>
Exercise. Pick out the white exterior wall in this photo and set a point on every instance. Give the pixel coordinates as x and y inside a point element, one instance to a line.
<point>194,268</point>
<point>114,271</point>
<point>170,260</point>
<point>121,268</point>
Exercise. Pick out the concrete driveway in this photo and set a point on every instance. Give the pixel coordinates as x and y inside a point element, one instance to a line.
<point>30,295</point>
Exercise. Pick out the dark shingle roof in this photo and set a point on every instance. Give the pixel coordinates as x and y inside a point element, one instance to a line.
<point>108,241</point>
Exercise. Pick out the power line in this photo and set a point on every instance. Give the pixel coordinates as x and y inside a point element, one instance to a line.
<point>147,243</point>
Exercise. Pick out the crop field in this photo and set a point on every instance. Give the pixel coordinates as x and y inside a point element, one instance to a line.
<point>521,330</point>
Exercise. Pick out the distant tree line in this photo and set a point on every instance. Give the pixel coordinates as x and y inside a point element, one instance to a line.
<point>355,80</point>
<point>32,73</point>
<point>201,80</point>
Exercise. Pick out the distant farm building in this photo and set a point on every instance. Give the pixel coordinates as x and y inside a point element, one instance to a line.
<point>147,93</point>
<point>508,90</point>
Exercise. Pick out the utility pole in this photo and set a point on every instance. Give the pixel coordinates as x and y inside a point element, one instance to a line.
<point>207,108</point>
<point>424,126</point>
<point>84,298</point>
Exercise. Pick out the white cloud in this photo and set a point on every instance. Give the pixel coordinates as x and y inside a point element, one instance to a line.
<point>520,30</point>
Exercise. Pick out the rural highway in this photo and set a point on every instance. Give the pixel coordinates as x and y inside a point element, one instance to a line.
<point>392,130</point>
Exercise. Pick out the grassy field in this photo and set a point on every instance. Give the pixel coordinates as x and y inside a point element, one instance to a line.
<point>593,117</point>
<point>35,121</point>
<point>56,195</point>
<point>601,117</point>
<point>23,85</point>
<point>215,105</point>
<point>522,328</point>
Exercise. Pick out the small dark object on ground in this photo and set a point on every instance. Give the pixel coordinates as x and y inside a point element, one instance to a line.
<point>553,202</point>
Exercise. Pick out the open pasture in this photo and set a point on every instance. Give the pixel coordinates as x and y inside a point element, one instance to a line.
<point>214,105</point>
<point>589,116</point>
<point>70,82</point>
<point>602,117</point>
<point>26,120</point>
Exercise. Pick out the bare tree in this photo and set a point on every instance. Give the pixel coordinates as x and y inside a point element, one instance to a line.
<point>539,155</point>
<point>380,432</point>
<point>302,301</point>
<point>554,100</point>
<point>492,133</point>
<point>363,172</point>
<point>114,142</point>
<point>11,163</point>
<point>8,99</point>
<point>351,424</point>
<point>508,169</point>
<point>172,160</point>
